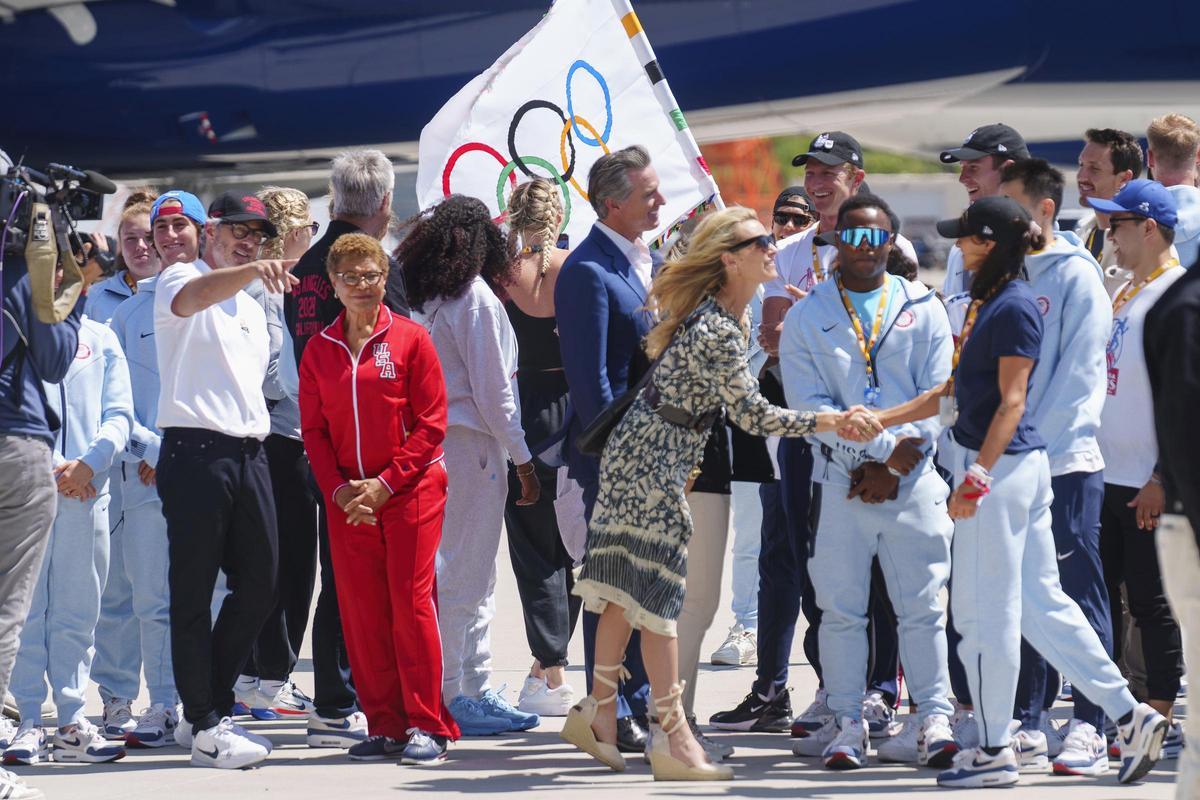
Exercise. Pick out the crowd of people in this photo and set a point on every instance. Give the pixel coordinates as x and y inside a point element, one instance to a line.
<point>238,404</point>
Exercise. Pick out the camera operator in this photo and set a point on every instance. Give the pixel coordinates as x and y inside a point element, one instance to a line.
<point>33,351</point>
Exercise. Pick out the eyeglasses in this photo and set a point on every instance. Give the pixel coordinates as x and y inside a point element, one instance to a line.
<point>312,226</point>
<point>355,278</point>
<point>241,230</point>
<point>762,242</point>
<point>798,220</point>
<point>1113,221</point>
<point>857,237</point>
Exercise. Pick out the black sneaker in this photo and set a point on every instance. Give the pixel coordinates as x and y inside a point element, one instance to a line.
<point>756,714</point>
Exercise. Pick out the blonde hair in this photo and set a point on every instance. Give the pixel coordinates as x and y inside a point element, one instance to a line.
<point>535,211</point>
<point>287,209</point>
<point>683,283</point>
<point>1175,139</point>
<point>139,203</point>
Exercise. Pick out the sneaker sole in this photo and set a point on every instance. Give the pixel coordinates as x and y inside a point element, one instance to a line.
<point>943,758</point>
<point>1147,762</point>
<point>246,762</point>
<point>322,740</point>
<point>1099,768</point>
<point>132,740</point>
<point>842,762</point>
<point>424,762</point>
<point>83,758</point>
<point>395,757</point>
<point>115,734</point>
<point>989,781</point>
<point>1038,764</point>
<point>17,761</point>
<point>292,713</point>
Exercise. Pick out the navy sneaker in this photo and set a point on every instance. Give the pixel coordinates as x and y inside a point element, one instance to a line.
<point>495,705</point>
<point>424,749</point>
<point>474,720</point>
<point>376,748</point>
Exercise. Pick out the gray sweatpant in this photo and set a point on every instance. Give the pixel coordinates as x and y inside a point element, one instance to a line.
<point>27,504</point>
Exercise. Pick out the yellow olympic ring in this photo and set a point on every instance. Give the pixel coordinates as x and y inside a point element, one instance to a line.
<point>562,146</point>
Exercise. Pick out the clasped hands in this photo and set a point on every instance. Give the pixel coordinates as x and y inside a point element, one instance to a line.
<point>361,499</point>
<point>858,424</point>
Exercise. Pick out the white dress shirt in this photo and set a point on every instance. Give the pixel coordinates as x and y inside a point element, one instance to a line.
<point>636,251</point>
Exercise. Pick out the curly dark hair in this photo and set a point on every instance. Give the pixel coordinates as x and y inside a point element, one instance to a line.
<point>448,245</point>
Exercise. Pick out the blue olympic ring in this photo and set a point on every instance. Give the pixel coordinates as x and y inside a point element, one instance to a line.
<point>608,114</point>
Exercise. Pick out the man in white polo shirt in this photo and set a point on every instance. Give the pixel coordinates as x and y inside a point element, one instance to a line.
<point>212,470</point>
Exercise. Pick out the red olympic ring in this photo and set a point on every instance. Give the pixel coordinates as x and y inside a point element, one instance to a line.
<point>467,148</point>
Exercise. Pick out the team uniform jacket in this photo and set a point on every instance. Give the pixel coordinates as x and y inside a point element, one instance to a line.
<point>380,416</point>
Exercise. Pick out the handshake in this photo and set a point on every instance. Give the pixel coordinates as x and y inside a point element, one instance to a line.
<point>858,424</point>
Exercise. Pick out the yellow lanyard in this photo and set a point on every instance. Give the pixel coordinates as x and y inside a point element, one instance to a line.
<point>818,270</point>
<point>1126,294</point>
<point>867,347</point>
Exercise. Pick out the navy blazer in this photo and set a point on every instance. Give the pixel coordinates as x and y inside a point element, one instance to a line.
<point>600,307</point>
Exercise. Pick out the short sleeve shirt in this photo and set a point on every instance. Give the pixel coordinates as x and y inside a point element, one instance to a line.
<point>1007,325</point>
<point>211,364</point>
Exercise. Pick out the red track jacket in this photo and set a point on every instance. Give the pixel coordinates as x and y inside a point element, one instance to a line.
<point>382,417</point>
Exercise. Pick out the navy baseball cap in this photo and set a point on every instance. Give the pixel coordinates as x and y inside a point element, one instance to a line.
<point>990,140</point>
<point>832,148</point>
<point>178,201</point>
<point>793,196</point>
<point>991,218</point>
<point>1142,197</point>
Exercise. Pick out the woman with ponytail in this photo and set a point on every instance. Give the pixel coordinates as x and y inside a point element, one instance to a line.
<point>636,566</point>
<point>1005,582</point>
<point>541,561</point>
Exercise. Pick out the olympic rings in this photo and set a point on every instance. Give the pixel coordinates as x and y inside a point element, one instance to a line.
<point>507,172</point>
<point>483,148</point>
<point>562,147</point>
<point>512,137</point>
<point>608,113</point>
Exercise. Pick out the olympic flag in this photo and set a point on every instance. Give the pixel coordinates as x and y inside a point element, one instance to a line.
<point>583,82</point>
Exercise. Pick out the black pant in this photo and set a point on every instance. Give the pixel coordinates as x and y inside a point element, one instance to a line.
<point>334,694</point>
<point>278,646</point>
<point>1130,556</point>
<point>220,512</point>
<point>542,568</point>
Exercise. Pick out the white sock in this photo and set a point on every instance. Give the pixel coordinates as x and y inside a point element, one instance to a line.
<point>270,688</point>
<point>245,683</point>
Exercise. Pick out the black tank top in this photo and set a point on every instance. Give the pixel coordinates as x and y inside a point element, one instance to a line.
<point>537,340</point>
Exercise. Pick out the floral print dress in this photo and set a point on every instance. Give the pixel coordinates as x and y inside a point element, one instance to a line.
<point>638,536</point>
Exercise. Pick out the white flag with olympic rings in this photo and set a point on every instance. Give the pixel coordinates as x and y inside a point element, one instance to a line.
<point>571,89</point>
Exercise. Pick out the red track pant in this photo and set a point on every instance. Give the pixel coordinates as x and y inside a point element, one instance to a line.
<point>385,588</point>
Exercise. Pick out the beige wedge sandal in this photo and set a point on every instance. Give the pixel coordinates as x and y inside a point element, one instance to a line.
<point>667,767</point>
<point>578,726</point>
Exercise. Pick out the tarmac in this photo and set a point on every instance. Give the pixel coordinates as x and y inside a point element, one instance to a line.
<point>537,764</point>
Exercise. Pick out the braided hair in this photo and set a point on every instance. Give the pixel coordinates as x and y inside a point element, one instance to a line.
<point>448,245</point>
<point>534,213</point>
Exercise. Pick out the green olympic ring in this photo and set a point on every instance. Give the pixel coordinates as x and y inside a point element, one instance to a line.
<point>544,164</point>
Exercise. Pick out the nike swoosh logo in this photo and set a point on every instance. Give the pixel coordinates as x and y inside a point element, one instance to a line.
<point>144,335</point>
<point>827,330</point>
<point>212,755</point>
<point>1066,555</point>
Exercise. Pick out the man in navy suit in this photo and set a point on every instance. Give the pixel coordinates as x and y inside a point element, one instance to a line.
<point>600,305</point>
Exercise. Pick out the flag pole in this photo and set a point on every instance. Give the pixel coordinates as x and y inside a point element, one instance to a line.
<point>662,92</point>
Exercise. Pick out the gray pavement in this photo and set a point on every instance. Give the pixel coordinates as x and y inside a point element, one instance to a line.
<point>538,764</point>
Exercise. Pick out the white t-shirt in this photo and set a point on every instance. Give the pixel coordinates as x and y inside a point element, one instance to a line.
<point>794,261</point>
<point>211,364</point>
<point>1126,435</point>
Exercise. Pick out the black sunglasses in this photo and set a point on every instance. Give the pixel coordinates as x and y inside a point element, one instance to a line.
<point>763,241</point>
<point>799,220</point>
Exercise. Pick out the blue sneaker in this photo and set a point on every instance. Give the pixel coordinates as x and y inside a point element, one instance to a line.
<point>495,705</point>
<point>975,769</point>
<point>474,720</point>
<point>376,748</point>
<point>424,749</point>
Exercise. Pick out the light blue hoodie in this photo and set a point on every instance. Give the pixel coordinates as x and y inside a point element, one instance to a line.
<point>1187,228</point>
<point>133,324</point>
<point>1069,381</point>
<point>824,370</point>
<point>94,403</point>
<point>105,296</point>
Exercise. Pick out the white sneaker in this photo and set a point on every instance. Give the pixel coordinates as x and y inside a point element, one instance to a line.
<point>849,749</point>
<point>1141,743</point>
<point>13,787</point>
<point>117,720</point>
<point>285,702</point>
<point>1054,735</point>
<point>1084,751</point>
<point>1173,742</point>
<point>28,746</point>
<point>8,729</point>
<point>975,769</point>
<point>155,727</point>
<point>936,746</point>
<point>739,649</point>
<point>816,716</point>
<point>815,743</point>
<point>84,744</point>
<point>538,698</point>
<point>340,732</point>
<point>1029,748</point>
<point>226,746</point>
<point>878,717</point>
<point>966,731</point>
<point>902,748</point>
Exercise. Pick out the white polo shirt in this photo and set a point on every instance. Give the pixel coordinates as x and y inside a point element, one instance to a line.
<point>211,364</point>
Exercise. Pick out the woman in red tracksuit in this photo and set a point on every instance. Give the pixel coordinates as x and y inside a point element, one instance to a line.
<point>373,417</point>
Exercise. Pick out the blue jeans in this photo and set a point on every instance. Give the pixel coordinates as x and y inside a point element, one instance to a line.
<point>1006,584</point>
<point>911,538</point>
<point>134,633</point>
<point>747,541</point>
<point>56,642</point>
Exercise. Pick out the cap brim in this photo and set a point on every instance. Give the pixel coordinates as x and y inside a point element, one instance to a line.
<point>826,239</point>
<point>961,154</point>
<point>1104,206</point>
<point>271,230</point>
<point>828,159</point>
<point>951,228</point>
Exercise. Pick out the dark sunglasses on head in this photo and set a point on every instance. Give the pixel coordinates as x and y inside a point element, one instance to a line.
<point>799,220</point>
<point>762,242</point>
<point>857,237</point>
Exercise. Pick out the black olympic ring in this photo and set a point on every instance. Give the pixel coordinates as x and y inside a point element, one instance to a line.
<point>512,137</point>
